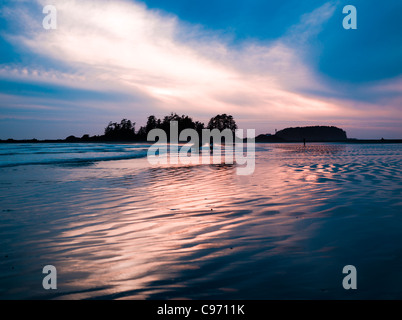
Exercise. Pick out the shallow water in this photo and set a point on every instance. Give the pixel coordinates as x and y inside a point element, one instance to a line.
<point>117,228</point>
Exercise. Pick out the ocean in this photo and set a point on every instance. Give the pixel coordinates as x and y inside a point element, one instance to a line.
<point>116,227</point>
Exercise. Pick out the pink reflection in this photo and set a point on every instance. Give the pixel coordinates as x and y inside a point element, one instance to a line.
<point>138,236</point>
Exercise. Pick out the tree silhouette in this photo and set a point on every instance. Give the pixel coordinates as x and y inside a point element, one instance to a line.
<point>124,130</point>
<point>222,122</point>
<point>152,123</point>
<point>184,122</point>
<point>199,126</point>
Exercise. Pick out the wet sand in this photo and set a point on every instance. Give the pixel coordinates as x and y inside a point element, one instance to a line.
<point>122,229</point>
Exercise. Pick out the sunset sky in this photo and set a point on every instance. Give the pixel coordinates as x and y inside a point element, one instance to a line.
<point>271,64</point>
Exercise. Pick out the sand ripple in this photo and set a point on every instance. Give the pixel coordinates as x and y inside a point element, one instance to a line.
<point>122,229</point>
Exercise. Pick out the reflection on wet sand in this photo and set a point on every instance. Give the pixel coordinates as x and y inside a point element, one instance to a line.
<point>120,230</point>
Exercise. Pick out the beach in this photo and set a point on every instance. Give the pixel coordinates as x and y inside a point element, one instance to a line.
<point>116,227</point>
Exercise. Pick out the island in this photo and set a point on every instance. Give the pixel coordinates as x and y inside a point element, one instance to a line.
<point>316,134</point>
<point>310,134</point>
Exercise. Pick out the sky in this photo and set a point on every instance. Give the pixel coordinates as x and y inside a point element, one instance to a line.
<point>270,64</point>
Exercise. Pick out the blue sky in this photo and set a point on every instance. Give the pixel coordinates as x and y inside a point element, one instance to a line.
<point>269,64</point>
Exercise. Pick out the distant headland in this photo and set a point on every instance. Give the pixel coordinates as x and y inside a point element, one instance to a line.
<point>124,132</point>
<point>310,134</point>
<point>316,134</point>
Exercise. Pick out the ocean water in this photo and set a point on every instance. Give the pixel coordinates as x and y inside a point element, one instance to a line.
<point>116,227</point>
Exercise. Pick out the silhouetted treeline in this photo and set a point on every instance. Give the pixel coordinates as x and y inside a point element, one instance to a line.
<point>313,133</point>
<point>222,122</point>
<point>125,130</point>
<point>306,134</point>
<point>184,122</point>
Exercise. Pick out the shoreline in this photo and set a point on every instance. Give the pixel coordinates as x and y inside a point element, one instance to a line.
<point>351,141</point>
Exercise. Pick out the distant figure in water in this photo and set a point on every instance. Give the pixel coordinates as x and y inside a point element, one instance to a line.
<point>304,141</point>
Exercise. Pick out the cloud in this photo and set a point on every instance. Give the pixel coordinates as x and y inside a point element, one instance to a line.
<point>311,24</point>
<point>125,44</point>
<point>122,47</point>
